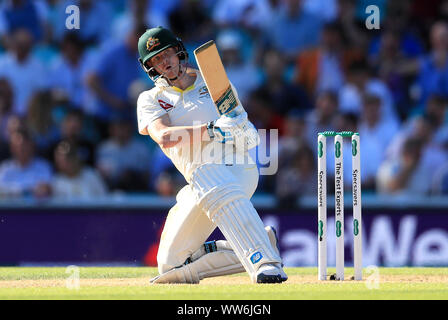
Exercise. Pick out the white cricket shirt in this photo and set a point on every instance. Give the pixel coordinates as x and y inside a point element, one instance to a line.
<point>192,106</point>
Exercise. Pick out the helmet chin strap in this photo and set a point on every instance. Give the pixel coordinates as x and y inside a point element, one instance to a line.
<point>180,73</point>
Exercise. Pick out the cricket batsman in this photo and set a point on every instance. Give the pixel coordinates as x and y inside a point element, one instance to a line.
<point>174,114</point>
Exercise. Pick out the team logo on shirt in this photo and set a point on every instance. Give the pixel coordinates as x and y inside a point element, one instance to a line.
<point>152,43</point>
<point>165,105</point>
<point>203,92</point>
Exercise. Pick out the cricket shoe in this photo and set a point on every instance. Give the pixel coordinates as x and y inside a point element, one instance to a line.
<point>271,273</point>
<point>273,239</point>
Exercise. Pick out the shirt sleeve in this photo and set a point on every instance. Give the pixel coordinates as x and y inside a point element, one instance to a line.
<point>148,110</point>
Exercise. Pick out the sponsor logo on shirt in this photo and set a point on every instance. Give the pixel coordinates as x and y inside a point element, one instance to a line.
<point>165,105</point>
<point>203,92</point>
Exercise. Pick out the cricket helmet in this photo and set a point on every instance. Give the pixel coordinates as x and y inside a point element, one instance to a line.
<point>154,41</point>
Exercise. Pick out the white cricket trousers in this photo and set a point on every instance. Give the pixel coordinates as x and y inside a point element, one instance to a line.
<point>187,226</point>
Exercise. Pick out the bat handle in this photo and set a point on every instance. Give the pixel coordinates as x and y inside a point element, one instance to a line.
<point>235,112</point>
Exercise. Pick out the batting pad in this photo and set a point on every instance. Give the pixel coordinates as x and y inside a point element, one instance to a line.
<point>213,264</point>
<point>222,198</point>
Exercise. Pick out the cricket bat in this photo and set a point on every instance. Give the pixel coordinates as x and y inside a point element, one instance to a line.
<point>215,77</point>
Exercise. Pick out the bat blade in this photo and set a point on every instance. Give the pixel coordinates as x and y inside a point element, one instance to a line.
<point>215,77</point>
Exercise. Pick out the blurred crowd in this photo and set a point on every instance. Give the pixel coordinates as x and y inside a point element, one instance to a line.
<point>68,97</point>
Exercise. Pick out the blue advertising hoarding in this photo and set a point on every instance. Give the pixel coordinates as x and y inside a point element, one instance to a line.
<point>399,237</point>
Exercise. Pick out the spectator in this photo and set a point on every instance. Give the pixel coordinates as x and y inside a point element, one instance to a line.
<point>440,11</point>
<point>6,103</point>
<point>22,14</point>
<point>372,125</point>
<point>440,183</point>
<point>249,14</point>
<point>138,12</point>
<point>262,113</point>
<point>293,138</point>
<point>122,159</point>
<point>327,9</point>
<point>395,68</point>
<point>25,73</point>
<point>400,175</point>
<point>74,180</point>
<point>433,74</point>
<point>322,117</point>
<point>425,12</point>
<point>376,136</point>
<point>285,95</point>
<point>289,31</point>
<point>429,126</point>
<point>69,72</point>
<point>359,82</point>
<point>353,28</point>
<point>397,22</point>
<point>243,74</point>
<point>169,182</point>
<point>72,130</point>
<point>405,41</point>
<point>323,68</point>
<point>95,20</point>
<point>436,112</point>
<point>14,123</point>
<point>164,7</point>
<point>413,170</point>
<point>24,174</point>
<point>160,164</point>
<point>110,81</point>
<point>190,22</point>
<point>39,122</point>
<point>300,67</point>
<point>425,129</point>
<point>301,174</point>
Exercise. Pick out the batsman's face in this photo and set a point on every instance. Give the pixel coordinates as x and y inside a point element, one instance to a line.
<point>166,63</point>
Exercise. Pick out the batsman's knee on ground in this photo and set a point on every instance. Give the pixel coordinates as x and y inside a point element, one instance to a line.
<point>186,229</point>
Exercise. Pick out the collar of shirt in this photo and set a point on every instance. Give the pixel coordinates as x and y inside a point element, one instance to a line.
<point>162,83</point>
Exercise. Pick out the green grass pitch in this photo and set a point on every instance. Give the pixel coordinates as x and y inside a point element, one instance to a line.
<point>133,283</point>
